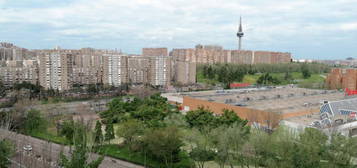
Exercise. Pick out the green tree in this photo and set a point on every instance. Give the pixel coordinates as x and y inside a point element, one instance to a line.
<point>267,79</point>
<point>67,130</point>
<point>201,147</point>
<point>98,135</point>
<point>311,147</point>
<point>202,155</point>
<point>109,132</point>
<point>229,142</point>
<point>79,157</point>
<point>305,71</point>
<point>130,131</point>
<point>288,76</point>
<point>34,121</point>
<point>210,72</point>
<point>201,119</point>
<point>341,150</point>
<point>229,117</point>
<point>164,144</point>
<point>6,150</point>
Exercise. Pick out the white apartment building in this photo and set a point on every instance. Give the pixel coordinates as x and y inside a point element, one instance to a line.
<point>160,70</point>
<point>115,69</point>
<point>55,70</point>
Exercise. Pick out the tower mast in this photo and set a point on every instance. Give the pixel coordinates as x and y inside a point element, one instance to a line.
<point>240,34</point>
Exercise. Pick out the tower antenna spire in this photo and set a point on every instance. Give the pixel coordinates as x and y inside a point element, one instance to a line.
<point>240,34</point>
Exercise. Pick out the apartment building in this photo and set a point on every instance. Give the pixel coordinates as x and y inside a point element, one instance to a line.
<point>12,72</point>
<point>60,69</point>
<point>184,72</point>
<point>159,70</point>
<point>138,69</point>
<point>115,69</point>
<point>10,52</point>
<point>210,54</point>
<point>56,69</point>
<point>88,66</point>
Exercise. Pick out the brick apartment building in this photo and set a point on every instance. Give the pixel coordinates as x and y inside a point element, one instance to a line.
<point>342,79</point>
<point>216,54</point>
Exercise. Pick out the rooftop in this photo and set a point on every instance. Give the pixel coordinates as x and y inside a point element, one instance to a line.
<point>283,99</point>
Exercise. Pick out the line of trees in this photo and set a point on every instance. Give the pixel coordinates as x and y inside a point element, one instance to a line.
<point>228,73</point>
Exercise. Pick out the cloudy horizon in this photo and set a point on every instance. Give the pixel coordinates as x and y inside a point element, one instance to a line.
<point>310,29</point>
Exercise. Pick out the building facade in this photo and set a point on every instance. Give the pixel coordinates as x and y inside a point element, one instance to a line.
<point>56,70</point>
<point>12,72</point>
<point>210,54</point>
<point>115,69</point>
<point>184,72</point>
<point>340,78</point>
<point>159,70</point>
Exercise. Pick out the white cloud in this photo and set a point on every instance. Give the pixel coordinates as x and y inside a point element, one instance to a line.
<point>349,26</point>
<point>190,20</point>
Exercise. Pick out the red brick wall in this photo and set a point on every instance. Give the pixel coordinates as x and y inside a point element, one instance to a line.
<point>342,79</point>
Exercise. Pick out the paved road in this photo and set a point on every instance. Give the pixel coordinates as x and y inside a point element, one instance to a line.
<point>45,154</point>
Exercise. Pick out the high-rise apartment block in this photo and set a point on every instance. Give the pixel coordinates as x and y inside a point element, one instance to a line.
<point>216,54</point>
<point>87,66</point>
<point>184,72</point>
<point>12,72</point>
<point>159,70</point>
<point>56,70</point>
<point>10,52</point>
<point>138,69</point>
<point>115,69</point>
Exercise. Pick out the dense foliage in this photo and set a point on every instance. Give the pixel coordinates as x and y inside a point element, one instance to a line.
<point>34,121</point>
<point>6,150</point>
<point>151,111</point>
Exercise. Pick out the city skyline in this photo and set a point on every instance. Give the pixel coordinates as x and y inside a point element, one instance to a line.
<point>308,29</point>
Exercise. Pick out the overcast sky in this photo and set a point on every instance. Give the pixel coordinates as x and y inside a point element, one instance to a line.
<point>315,29</point>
